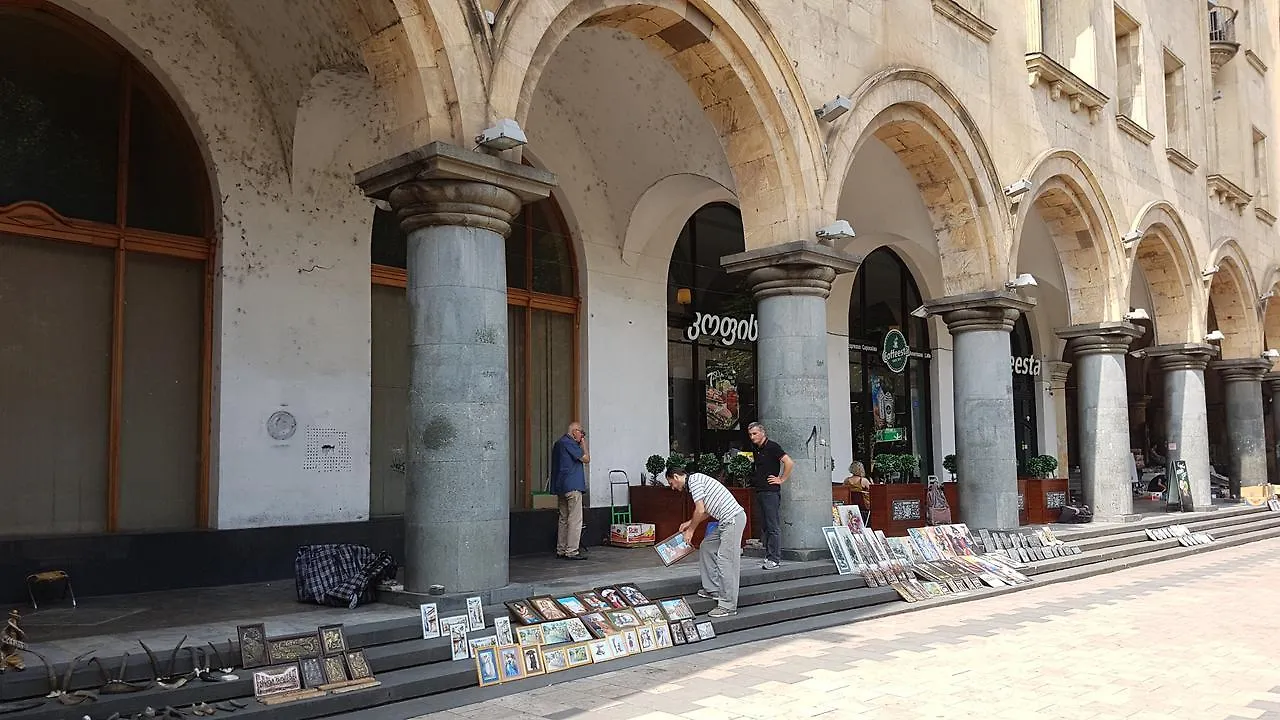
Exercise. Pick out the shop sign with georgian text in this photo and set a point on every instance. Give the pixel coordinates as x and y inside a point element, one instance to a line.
<point>728,330</point>
<point>894,351</point>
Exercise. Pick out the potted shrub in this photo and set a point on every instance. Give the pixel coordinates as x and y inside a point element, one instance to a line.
<point>738,471</point>
<point>885,466</point>
<point>709,464</point>
<point>950,464</point>
<point>908,466</point>
<point>676,461</point>
<point>656,465</point>
<point>1043,495</point>
<point>1042,466</point>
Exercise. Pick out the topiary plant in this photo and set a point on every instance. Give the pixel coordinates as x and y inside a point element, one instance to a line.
<point>885,466</point>
<point>1042,466</point>
<point>656,465</point>
<point>950,464</point>
<point>739,470</point>
<point>909,464</point>
<point>709,464</point>
<point>676,461</point>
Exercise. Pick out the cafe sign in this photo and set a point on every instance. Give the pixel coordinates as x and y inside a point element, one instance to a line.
<point>894,351</point>
<point>727,329</point>
<point>1025,366</point>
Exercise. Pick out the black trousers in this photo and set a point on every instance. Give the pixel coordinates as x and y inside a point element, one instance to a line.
<point>769,510</point>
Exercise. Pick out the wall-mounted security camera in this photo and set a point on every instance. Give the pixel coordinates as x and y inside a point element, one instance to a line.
<point>834,109</point>
<point>1018,189</point>
<point>921,312</point>
<point>1209,272</point>
<point>1023,280</point>
<point>503,136</point>
<point>1137,314</point>
<point>838,230</point>
<point>1266,296</point>
<point>1215,336</point>
<point>1131,239</point>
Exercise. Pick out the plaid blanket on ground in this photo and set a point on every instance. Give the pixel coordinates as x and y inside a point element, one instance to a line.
<point>340,575</point>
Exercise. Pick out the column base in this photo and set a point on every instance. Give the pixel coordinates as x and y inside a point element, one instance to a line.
<point>1125,518</point>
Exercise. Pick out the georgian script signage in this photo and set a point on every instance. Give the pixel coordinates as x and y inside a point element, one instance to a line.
<point>1025,365</point>
<point>728,330</point>
<point>894,351</point>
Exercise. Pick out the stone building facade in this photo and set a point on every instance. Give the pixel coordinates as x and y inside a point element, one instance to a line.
<point>277,282</point>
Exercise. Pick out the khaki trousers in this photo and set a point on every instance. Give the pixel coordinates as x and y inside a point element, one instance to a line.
<point>570,523</point>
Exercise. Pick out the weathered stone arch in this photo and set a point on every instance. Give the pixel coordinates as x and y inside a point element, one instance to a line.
<point>1167,261</point>
<point>926,126</point>
<point>1234,298</point>
<point>663,209</point>
<point>1271,309</point>
<point>730,61</point>
<point>1071,202</point>
<point>431,59</point>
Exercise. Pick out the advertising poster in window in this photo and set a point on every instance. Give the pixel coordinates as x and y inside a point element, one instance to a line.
<point>882,402</point>
<point>722,396</point>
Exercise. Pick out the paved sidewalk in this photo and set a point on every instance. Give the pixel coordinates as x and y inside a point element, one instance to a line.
<point>1192,639</point>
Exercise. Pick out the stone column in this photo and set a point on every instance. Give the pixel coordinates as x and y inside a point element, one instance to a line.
<point>1056,371</point>
<point>1272,379</point>
<point>1186,416</point>
<point>983,389</point>
<point>1246,436</point>
<point>1102,404</point>
<point>791,283</point>
<point>1138,421</point>
<point>455,207</point>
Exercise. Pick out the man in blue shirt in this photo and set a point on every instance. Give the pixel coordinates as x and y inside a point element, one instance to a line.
<point>569,481</point>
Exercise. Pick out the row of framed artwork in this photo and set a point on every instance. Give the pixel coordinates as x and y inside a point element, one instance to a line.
<point>506,663</point>
<point>304,665</point>
<point>542,608</point>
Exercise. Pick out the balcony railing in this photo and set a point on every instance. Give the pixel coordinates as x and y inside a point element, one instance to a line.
<point>1222,24</point>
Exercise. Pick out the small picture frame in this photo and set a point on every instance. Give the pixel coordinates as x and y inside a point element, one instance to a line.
<point>253,645</point>
<point>333,639</point>
<point>545,606</point>
<point>601,650</point>
<point>618,645</point>
<point>676,609</point>
<point>556,659</point>
<point>677,634</point>
<point>529,635</point>
<point>594,602</point>
<point>312,672</point>
<point>523,612</point>
<point>502,628</point>
<point>613,596</point>
<point>475,613</point>
<point>578,631</point>
<point>556,632</point>
<point>510,665</point>
<point>690,631</point>
<point>623,619</point>
<point>277,679</point>
<point>480,641</point>
<point>632,640</point>
<point>292,648</point>
<point>645,636</point>
<point>673,549</point>
<point>650,613</point>
<point>430,620</point>
<point>578,655</point>
<point>633,595</point>
<point>598,624</point>
<point>335,669</point>
<point>458,647</point>
<point>662,635</point>
<point>531,661</point>
<point>358,665</point>
<point>487,667</point>
<point>706,631</point>
<point>572,605</point>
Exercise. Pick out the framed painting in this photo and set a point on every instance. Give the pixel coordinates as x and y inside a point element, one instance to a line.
<point>613,596</point>
<point>573,605</point>
<point>523,612</point>
<point>598,624</point>
<point>531,661</point>
<point>555,659</point>
<point>487,667</point>
<point>579,654</point>
<point>333,639</point>
<point>292,648</point>
<point>650,613</point>
<point>676,609</point>
<point>253,645</point>
<point>529,635</point>
<point>510,665</point>
<point>632,594</point>
<point>578,631</point>
<point>276,680</point>
<point>594,601</point>
<point>312,673</point>
<point>358,665</point>
<point>623,619</point>
<point>335,669</point>
<point>547,608</point>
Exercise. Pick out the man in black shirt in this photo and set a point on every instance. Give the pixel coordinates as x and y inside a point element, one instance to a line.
<point>772,468</point>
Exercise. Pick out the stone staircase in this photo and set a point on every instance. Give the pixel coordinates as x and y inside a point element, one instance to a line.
<point>418,676</point>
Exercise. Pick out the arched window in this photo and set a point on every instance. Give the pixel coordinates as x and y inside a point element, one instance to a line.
<point>105,289</point>
<point>542,331</point>
<point>711,368</point>
<point>890,410</point>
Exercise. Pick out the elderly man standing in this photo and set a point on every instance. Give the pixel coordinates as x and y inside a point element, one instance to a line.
<point>569,481</point>
<point>720,555</point>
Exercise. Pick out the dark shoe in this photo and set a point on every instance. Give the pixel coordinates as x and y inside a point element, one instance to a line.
<point>575,556</point>
<point>720,612</point>
<point>706,595</point>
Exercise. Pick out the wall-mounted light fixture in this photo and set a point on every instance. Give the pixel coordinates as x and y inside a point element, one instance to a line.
<point>684,296</point>
<point>921,312</point>
<point>1131,239</point>
<point>1215,336</point>
<point>834,109</point>
<point>502,136</point>
<point>838,230</point>
<point>1209,272</point>
<point>1271,354</point>
<point>1023,280</point>
<point>1016,190</point>
<point>1137,314</point>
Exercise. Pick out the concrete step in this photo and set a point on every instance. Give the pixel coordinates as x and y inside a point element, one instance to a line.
<point>1196,523</point>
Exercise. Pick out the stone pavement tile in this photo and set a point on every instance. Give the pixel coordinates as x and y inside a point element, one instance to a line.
<point>709,713</point>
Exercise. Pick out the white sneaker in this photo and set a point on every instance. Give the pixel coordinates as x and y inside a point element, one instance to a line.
<point>769,565</point>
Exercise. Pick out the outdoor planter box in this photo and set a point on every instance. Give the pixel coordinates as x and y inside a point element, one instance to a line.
<point>666,509</point>
<point>1045,498</point>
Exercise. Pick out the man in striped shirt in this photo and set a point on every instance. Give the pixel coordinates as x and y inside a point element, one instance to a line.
<point>720,555</point>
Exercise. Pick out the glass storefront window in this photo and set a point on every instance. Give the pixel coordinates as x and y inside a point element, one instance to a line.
<point>885,404</point>
<point>1026,443</point>
<point>711,386</point>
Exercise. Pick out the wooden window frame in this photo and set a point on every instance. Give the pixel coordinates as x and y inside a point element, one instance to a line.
<point>389,276</point>
<point>37,220</point>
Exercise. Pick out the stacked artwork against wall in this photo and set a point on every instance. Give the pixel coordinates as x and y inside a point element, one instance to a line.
<point>306,665</point>
<point>548,634</point>
<point>930,562</point>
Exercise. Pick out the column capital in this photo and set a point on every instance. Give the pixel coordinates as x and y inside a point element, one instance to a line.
<point>1182,356</point>
<point>1105,338</point>
<point>997,310</point>
<point>1057,371</point>
<point>443,184</point>
<point>1272,379</point>
<point>1242,370</point>
<point>794,268</point>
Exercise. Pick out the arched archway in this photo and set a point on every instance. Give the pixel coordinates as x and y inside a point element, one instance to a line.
<point>1068,200</point>
<point>730,63</point>
<point>1166,262</point>
<point>923,123</point>
<point>1233,304</point>
<point>543,351</point>
<point>106,239</point>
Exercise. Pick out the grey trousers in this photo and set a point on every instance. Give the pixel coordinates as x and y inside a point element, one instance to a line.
<point>720,560</point>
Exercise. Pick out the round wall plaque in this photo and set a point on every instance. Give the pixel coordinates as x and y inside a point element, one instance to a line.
<point>281,425</point>
<point>894,352</point>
